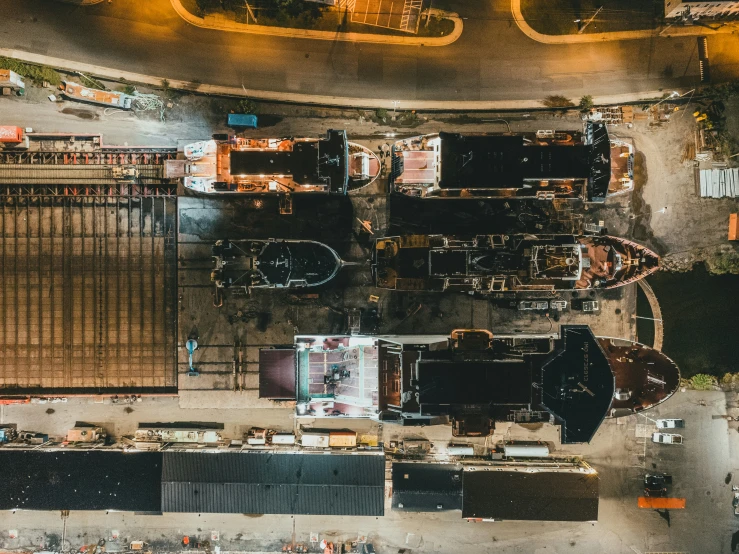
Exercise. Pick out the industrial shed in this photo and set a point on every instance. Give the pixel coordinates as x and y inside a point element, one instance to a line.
<point>423,487</point>
<point>269,483</point>
<point>80,480</point>
<point>539,495</point>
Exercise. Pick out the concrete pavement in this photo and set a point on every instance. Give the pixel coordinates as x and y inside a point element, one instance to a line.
<point>219,22</point>
<point>492,60</point>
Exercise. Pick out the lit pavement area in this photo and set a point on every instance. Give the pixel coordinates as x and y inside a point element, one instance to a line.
<point>492,60</point>
<point>700,468</point>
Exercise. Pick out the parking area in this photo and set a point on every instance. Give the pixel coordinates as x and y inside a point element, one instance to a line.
<point>401,15</point>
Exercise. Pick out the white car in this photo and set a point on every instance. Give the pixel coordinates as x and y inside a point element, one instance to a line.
<point>667,438</point>
<point>670,424</point>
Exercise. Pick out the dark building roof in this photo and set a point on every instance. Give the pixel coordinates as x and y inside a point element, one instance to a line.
<point>542,496</point>
<point>324,161</point>
<point>424,487</point>
<point>266,483</point>
<point>80,480</point>
<point>464,381</point>
<point>277,374</point>
<point>499,161</point>
<point>577,384</point>
<point>596,135</point>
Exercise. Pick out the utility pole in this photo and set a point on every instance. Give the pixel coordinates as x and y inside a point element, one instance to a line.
<point>589,21</point>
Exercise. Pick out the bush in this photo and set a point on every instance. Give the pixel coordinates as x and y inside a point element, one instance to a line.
<point>722,263</point>
<point>701,381</point>
<point>381,114</point>
<point>247,105</point>
<point>557,101</point>
<point>586,103</point>
<point>36,73</point>
<point>129,89</point>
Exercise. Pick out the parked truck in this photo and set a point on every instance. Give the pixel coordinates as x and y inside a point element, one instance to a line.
<point>667,438</point>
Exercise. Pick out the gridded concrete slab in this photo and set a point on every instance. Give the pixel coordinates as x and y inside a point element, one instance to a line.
<point>87,295</point>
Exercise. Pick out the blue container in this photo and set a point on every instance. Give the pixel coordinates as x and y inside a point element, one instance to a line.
<point>242,120</point>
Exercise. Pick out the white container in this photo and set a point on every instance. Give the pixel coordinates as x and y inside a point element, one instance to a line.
<point>460,450</point>
<point>314,440</point>
<point>256,441</point>
<point>526,450</point>
<point>283,438</point>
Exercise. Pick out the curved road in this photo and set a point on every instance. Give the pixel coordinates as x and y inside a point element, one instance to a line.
<point>492,60</point>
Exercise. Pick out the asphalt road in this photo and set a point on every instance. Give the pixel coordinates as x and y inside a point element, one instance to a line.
<point>492,60</point>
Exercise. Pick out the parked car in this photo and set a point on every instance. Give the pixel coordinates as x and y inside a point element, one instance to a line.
<point>667,438</point>
<point>655,484</point>
<point>670,424</point>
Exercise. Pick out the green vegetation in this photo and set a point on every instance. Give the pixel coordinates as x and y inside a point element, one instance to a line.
<point>247,105</point>
<point>437,27</point>
<point>712,102</point>
<point>556,101</point>
<point>722,263</point>
<point>35,73</point>
<point>89,82</point>
<point>560,17</point>
<point>586,103</point>
<point>409,119</point>
<point>129,89</point>
<point>381,114</point>
<point>701,381</point>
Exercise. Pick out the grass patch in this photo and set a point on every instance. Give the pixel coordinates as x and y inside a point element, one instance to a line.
<point>558,17</point>
<point>35,73</point>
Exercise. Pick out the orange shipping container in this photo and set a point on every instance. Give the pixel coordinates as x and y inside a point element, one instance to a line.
<point>342,439</point>
<point>733,227</point>
<point>662,503</point>
<point>11,134</point>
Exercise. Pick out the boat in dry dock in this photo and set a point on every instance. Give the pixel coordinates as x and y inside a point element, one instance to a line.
<point>501,263</point>
<point>544,164</point>
<point>109,99</point>
<point>281,166</point>
<point>273,264</point>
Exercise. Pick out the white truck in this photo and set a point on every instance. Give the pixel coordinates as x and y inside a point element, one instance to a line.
<point>667,438</point>
<point>670,424</point>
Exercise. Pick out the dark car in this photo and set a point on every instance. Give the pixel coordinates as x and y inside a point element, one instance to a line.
<point>655,484</point>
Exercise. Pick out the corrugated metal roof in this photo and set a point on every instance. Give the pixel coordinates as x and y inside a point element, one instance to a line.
<point>80,480</point>
<point>541,496</point>
<point>267,483</point>
<point>423,487</point>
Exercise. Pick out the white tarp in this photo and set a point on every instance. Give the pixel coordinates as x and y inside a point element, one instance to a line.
<point>719,183</point>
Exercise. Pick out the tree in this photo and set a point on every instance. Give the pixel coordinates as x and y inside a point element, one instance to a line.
<point>586,103</point>
<point>557,101</point>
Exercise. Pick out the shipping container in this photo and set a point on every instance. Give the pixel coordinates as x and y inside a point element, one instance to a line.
<point>10,134</point>
<point>661,503</point>
<point>314,440</point>
<point>242,120</point>
<point>283,438</point>
<point>734,227</point>
<point>342,439</point>
<point>461,450</point>
<point>11,79</point>
<point>526,450</point>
